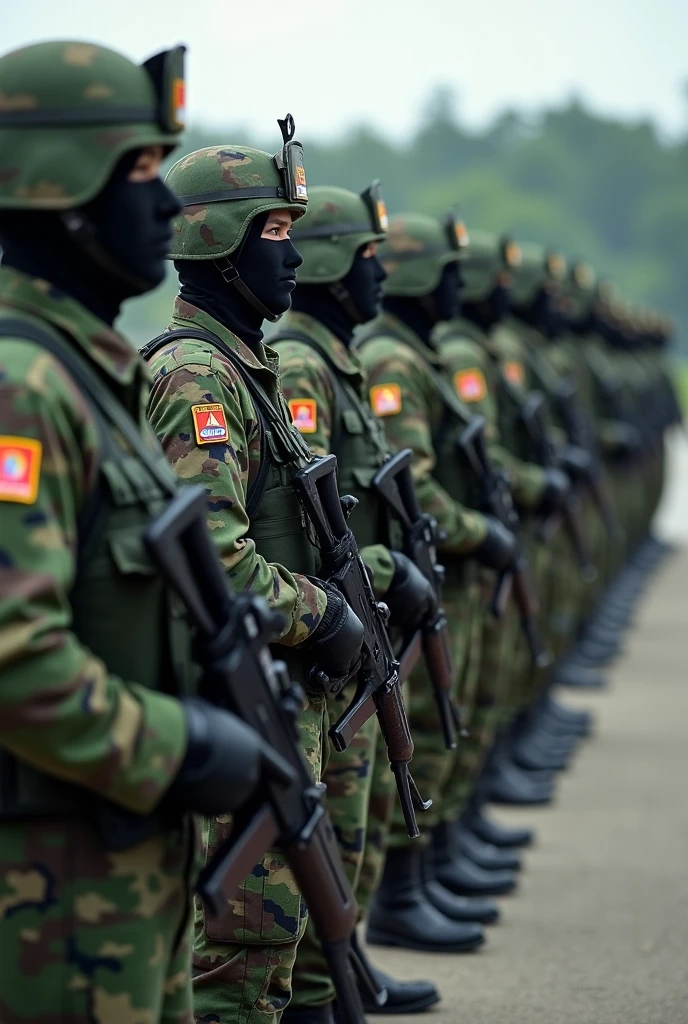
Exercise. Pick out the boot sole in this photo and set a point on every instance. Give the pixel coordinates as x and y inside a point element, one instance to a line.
<point>381,938</point>
<point>410,1007</point>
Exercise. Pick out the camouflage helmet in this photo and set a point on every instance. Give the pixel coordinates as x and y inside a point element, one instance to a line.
<point>223,188</point>
<point>337,224</point>
<point>416,251</point>
<point>70,110</point>
<point>489,261</point>
<point>537,267</point>
<point>581,289</point>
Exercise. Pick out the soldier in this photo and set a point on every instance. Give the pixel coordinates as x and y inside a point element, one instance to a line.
<point>465,346</point>
<point>218,408</point>
<point>409,390</point>
<point>100,758</point>
<point>339,287</point>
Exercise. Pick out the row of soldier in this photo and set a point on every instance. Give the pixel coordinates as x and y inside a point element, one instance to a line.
<point>436,480</point>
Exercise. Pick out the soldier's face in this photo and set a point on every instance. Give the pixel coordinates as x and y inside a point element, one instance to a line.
<point>132,216</point>
<point>269,260</point>
<point>364,282</point>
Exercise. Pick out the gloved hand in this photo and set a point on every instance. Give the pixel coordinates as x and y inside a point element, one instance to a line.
<point>556,491</point>
<point>498,548</point>
<point>410,596</point>
<point>630,442</point>
<point>336,642</point>
<point>576,461</point>
<point>224,762</point>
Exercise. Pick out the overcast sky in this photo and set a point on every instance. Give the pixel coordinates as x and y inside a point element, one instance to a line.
<point>378,60</point>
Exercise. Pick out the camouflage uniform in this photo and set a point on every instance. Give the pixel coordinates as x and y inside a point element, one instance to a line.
<point>411,390</point>
<point>322,376</point>
<point>87,932</point>
<point>242,960</point>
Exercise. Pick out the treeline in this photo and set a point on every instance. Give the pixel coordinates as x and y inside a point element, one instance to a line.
<point>610,192</point>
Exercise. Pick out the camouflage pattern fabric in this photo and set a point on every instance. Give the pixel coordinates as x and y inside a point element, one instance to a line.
<point>90,936</point>
<point>188,374</point>
<point>383,799</point>
<point>243,960</point>
<point>83,933</point>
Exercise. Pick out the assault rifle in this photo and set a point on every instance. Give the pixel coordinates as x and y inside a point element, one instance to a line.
<point>378,689</point>
<point>532,417</point>
<point>394,484</point>
<point>580,434</point>
<point>497,501</point>
<point>232,633</point>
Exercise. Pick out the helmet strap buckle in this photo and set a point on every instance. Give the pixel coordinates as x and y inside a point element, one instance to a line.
<point>343,296</point>
<point>227,269</point>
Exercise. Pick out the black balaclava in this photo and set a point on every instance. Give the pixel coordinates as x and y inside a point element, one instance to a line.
<point>539,312</point>
<point>102,253</point>
<point>341,305</point>
<point>488,311</point>
<point>268,270</point>
<point>421,314</point>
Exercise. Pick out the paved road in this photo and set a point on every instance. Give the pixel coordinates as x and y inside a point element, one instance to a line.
<point>599,931</point>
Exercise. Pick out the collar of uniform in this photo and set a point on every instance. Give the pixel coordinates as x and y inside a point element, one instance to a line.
<point>343,358</point>
<point>387,324</point>
<point>186,314</point>
<point>459,327</point>
<point>101,343</point>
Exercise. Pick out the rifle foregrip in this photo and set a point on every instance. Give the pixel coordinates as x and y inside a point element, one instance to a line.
<point>394,724</point>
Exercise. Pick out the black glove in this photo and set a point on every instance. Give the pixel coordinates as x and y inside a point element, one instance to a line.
<point>576,461</point>
<point>499,547</point>
<point>410,597</point>
<point>224,762</point>
<point>556,491</point>
<point>630,442</point>
<point>336,641</point>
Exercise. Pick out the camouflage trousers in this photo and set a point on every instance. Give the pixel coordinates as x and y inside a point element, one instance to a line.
<point>380,810</point>
<point>90,936</point>
<point>348,777</point>
<point>433,766</point>
<point>243,960</point>
<point>496,646</point>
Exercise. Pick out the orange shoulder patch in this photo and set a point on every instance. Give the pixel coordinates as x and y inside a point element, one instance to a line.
<point>470,385</point>
<point>385,399</point>
<point>514,372</point>
<point>304,414</point>
<point>210,423</point>
<point>20,469</point>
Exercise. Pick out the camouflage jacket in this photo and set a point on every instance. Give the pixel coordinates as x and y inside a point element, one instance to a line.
<point>188,374</point>
<point>476,380</point>
<point>60,709</point>
<point>306,375</point>
<point>403,391</point>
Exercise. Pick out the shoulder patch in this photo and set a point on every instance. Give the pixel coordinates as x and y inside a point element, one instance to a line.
<point>470,385</point>
<point>304,414</point>
<point>385,399</point>
<point>514,372</point>
<point>210,423</point>
<point>20,468</point>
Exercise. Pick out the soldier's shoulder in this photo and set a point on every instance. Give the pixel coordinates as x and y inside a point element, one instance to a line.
<point>295,355</point>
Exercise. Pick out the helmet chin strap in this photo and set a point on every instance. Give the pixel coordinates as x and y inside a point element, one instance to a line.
<point>230,274</point>
<point>429,304</point>
<point>85,234</point>
<point>344,298</point>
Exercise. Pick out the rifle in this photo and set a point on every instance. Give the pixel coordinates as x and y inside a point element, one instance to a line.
<point>378,689</point>
<point>232,633</point>
<point>497,501</point>
<point>532,418</point>
<point>394,483</point>
<point>579,434</point>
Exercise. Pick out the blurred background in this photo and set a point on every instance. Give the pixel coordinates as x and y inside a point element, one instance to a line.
<point>559,123</point>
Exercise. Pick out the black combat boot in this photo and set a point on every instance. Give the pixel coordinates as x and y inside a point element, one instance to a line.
<point>489,831</point>
<point>311,1015</point>
<point>401,915</point>
<point>458,873</point>
<point>485,855</point>
<point>402,996</point>
<point>457,908</point>
<point>507,783</point>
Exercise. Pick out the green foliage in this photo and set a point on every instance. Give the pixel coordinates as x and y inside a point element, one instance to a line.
<point>609,192</point>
